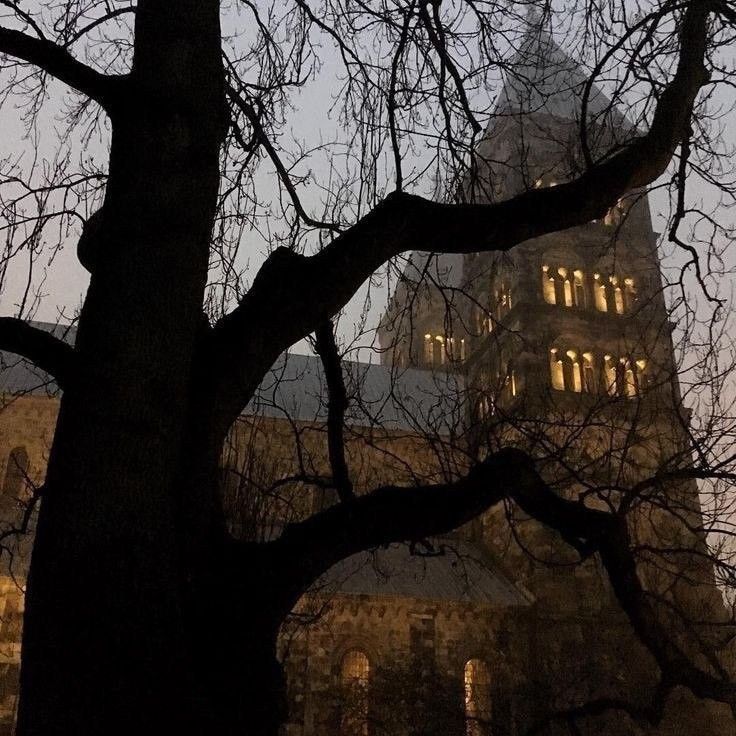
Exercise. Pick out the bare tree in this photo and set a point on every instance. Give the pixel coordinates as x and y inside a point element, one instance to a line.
<point>168,621</point>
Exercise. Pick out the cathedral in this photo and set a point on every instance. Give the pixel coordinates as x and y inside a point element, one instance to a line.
<point>561,346</point>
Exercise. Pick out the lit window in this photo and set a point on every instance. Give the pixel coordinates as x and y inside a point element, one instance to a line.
<point>556,370</point>
<point>579,288</point>
<point>462,348</point>
<point>566,286</point>
<point>588,373</point>
<point>630,293</point>
<point>618,294</point>
<point>16,473</point>
<point>599,290</point>
<point>355,680</point>
<point>477,680</point>
<point>441,348</point>
<point>609,370</point>
<point>577,381</point>
<point>428,350</point>
<point>548,286</point>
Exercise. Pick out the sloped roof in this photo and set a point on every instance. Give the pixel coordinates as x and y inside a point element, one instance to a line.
<point>459,572</point>
<point>295,387</point>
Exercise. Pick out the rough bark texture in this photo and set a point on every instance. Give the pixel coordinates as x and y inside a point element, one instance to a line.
<point>103,647</point>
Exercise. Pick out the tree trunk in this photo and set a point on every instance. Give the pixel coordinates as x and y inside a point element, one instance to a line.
<point>104,639</point>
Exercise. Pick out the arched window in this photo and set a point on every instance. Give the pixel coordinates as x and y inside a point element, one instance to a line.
<point>355,672</point>
<point>579,287</point>
<point>609,372</point>
<point>588,373</point>
<point>618,294</point>
<point>16,473</point>
<point>599,291</point>
<point>477,680</point>
<point>566,286</point>
<point>576,375</point>
<point>440,348</point>
<point>428,349</point>
<point>548,286</point>
<point>557,370</point>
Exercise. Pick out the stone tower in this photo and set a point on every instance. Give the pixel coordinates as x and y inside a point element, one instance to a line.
<point>565,344</point>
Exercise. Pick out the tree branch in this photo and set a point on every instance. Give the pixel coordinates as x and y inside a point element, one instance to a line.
<point>337,404</point>
<point>59,63</point>
<point>45,351</point>
<point>327,280</point>
<point>391,514</point>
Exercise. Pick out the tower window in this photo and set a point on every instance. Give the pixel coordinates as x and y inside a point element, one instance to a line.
<point>618,294</point>
<point>579,287</point>
<point>477,681</point>
<point>548,286</point>
<point>599,291</point>
<point>355,679</point>
<point>589,383</point>
<point>556,370</point>
<point>428,350</point>
<point>576,377</point>
<point>566,286</point>
<point>440,348</point>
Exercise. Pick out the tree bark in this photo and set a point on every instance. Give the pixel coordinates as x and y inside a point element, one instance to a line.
<point>104,637</point>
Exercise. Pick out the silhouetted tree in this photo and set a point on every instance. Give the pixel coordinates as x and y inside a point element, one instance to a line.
<point>143,613</point>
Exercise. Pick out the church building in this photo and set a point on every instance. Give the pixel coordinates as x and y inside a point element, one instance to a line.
<point>561,346</point>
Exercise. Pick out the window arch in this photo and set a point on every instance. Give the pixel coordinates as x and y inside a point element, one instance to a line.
<point>16,473</point>
<point>355,672</point>
<point>477,682</point>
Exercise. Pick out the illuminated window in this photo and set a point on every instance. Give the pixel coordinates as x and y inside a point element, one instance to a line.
<point>641,374</point>
<point>609,372</point>
<point>440,348</point>
<point>355,679</point>
<point>577,380</point>
<point>618,295</point>
<point>548,286</point>
<point>16,473</point>
<point>477,680</point>
<point>462,348</point>
<point>556,370</point>
<point>566,287</point>
<point>630,293</point>
<point>579,288</point>
<point>599,290</point>
<point>629,378</point>
<point>428,350</point>
<point>588,373</point>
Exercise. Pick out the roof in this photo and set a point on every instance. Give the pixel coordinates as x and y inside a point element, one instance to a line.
<point>295,387</point>
<point>458,571</point>
<point>380,395</point>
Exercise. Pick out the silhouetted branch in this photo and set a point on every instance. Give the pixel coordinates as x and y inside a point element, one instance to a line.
<point>59,63</point>
<point>404,222</point>
<point>337,404</point>
<point>40,347</point>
